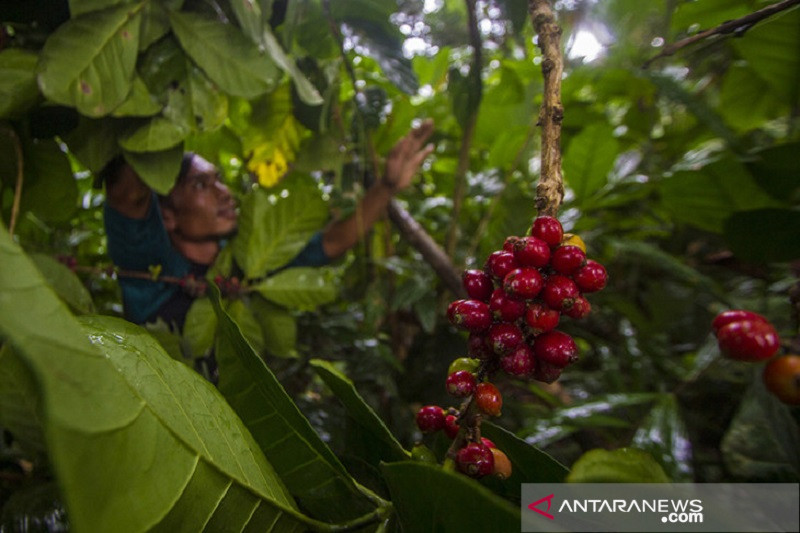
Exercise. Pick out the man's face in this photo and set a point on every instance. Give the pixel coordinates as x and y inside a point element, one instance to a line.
<point>200,206</point>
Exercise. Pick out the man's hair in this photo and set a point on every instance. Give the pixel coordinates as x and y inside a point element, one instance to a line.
<point>113,169</point>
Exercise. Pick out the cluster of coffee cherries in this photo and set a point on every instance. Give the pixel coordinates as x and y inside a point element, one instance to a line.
<point>513,307</point>
<point>744,335</point>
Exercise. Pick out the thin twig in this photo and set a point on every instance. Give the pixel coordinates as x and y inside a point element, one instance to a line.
<point>737,26</point>
<point>20,176</point>
<point>550,190</point>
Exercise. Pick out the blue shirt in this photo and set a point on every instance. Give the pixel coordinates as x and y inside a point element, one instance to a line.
<point>138,244</point>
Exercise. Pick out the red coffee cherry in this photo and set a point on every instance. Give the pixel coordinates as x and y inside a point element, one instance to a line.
<point>478,347</point>
<point>470,315</point>
<point>475,460</point>
<point>548,229</point>
<point>748,340</point>
<point>478,284</point>
<point>524,283</point>
<point>488,399</point>
<point>486,442</point>
<point>502,465</point>
<point>580,308</point>
<point>505,307</point>
<point>520,362</point>
<point>451,426</point>
<point>560,292</point>
<point>546,373</point>
<point>782,378</point>
<point>510,242</point>
<point>556,348</point>
<point>532,252</point>
<point>500,263</point>
<point>503,337</point>
<point>567,259</point>
<point>430,418</point>
<point>735,315</point>
<point>460,384</point>
<point>541,318</point>
<point>591,277</point>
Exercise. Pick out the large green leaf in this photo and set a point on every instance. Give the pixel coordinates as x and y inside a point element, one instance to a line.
<point>744,103</point>
<point>663,435</point>
<point>305,89</point>
<point>428,498</point>
<point>278,325</point>
<point>624,465</point>
<point>764,235</point>
<point>304,462</point>
<point>18,90</point>
<point>381,443</point>
<point>248,14</point>
<point>229,58</point>
<point>275,224</point>
<point>200,327</point>
<point>93,142</point>
<point>775,170</point>
<point>531,465</point>
<point>140,103</point>
<point>708,196</point>
<point>88,62</point>
<point>20,404</point>
<point>158,170</point>
<point>771,51</point>
<point>762,443</point>
<point>302,288</point>
<point>49,191</point>
<point>64,282</point>
<point>154,135</point>
<point>138,440</point>
<point>589,159</point>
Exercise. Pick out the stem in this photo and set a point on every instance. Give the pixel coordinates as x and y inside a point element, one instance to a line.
<point>550,190</point>
<point>20,175</point>
<point>738,26</point>
<point>476,89</point>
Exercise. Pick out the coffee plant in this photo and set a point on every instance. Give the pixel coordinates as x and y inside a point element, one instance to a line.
<point>594,277</point>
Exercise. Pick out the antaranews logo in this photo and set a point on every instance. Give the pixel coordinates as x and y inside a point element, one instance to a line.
<point>672,511</point>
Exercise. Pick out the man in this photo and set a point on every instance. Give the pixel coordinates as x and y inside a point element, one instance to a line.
<point>184,231</point>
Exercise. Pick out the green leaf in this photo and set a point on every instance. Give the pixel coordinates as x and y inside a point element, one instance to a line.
<point>50,190</point>
<point>764,235</point>
<point>305,89</point>
<point>88,62</point>
<point>119,412</point>
<point>275,224</point>
<point>93,142</point>
<point>158,170</point>
<point>706,197</point>
<point>228,58</point>
<point>775,171</point>
<point>302,288</point>
<point>278,326</point>
<point>428,498</point>
<point>311,472</point>
<point>762,444</point>
<point>382,444</point>
<point>200,327</point>
<point>207,105</point>
<point>154,135</point>
<point>663,434</point>
<point>140,103</point>
<point>18,89</point>
<point>531,465</point>
<point>706,14</point>
<point>248,14</point>
<point>624,465</point>
<point>248,325</point>
<point>20,404</point>
<point>79,7</point>
<point>64,282</point>
<point>770,49</point>
<point>743,104</point>
<point>588,161</point>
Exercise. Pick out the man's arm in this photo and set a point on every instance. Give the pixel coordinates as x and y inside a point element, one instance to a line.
<point>403,162</point>
<point>125,191</point>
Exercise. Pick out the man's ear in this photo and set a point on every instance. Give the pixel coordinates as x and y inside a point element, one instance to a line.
<point>168,215</point>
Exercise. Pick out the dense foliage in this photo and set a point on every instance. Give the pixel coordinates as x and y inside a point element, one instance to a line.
<point>681,175</point>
